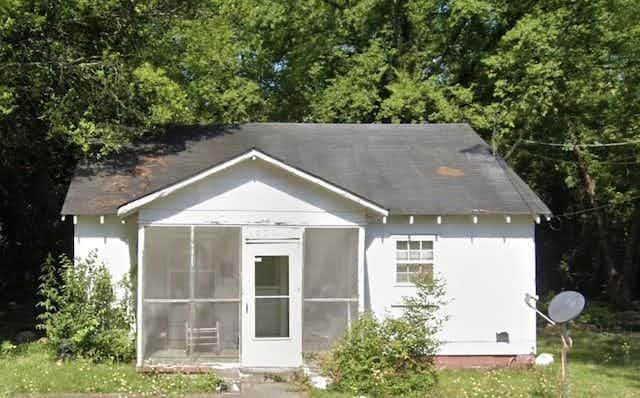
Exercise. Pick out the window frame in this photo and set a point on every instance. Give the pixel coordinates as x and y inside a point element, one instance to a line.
<point>396,262</point>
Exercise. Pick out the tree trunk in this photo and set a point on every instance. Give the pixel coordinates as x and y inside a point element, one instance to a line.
<point>630,267</point>
<point>398,28</point>
<point>613,276</point>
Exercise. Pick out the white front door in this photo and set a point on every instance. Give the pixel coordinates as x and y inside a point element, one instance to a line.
<point>271,305</point>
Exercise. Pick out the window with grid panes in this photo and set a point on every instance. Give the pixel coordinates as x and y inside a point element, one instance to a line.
<point>413,257</point>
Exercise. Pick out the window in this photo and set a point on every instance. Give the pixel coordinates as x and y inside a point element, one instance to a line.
<point>413,257</point>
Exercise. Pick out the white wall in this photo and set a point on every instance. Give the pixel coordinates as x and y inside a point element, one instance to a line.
<point>487,268</point>
<point>253,192</point>
<point>113,242</point>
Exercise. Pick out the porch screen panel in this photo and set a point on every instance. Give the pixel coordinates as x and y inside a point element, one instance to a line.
<point>167,259</point>
<point>191,294</point>
<point>216,280</point>
<point>224,318</point>
<point>217,262</point>
<point>165,330</point>
<point>330,285</point>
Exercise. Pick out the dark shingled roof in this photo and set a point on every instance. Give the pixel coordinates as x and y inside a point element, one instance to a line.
<point>437,169</point>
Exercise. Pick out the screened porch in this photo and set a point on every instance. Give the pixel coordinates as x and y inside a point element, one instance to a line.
<point>191,302</point>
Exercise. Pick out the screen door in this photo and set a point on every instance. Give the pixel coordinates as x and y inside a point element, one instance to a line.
<point>272,310</point>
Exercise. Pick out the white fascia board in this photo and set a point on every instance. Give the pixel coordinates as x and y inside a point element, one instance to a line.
<point>130,207</point>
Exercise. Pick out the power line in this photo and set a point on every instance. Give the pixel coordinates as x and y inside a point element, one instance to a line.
<point>596,208</point>
<point>609,144</point>
<point>600,161</point>
<point>505,167</point>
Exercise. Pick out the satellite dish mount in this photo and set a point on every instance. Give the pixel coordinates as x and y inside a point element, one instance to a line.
<point>563,308</point>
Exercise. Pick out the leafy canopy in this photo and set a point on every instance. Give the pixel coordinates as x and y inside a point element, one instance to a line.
<point>85,77</point>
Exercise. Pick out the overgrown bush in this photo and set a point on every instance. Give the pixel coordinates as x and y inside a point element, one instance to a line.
<point>7,348</point>
<point>600,315</point>
<point>80,315</point>
<point>392,357</point>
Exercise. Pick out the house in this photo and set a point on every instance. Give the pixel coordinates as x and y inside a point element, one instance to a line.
<point>254,244</point>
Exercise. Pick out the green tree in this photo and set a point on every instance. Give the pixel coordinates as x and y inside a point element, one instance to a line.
<point>567,74</point>
<point>84,78</point>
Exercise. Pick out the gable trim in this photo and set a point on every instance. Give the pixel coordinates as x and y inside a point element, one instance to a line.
<point>135,204</point>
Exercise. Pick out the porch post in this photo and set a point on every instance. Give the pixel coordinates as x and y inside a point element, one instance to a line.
<point>139,295</point>
<point>361,254</point>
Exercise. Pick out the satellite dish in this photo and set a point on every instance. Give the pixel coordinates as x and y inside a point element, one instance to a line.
<point>566,306</point>
<point>563,308</point>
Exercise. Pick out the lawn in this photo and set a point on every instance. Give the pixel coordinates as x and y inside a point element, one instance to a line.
<point>32,369</point>
<point>601,365</point>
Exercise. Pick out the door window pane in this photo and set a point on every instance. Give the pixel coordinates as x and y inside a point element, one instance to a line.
<point>272,279</point>
<point>272,317</point>
<point>272,276</point>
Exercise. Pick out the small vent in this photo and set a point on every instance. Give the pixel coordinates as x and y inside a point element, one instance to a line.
<point>502,337</point>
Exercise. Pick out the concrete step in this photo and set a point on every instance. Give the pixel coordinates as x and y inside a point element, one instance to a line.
<point>261,390</point>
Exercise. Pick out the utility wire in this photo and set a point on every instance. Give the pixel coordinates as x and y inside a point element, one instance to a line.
<point>505,167</point>
<point>628,160</point>
<point>554,144</point>
<point>592,209</point>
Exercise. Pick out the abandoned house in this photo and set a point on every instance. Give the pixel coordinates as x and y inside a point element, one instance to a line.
<point>253,244</point>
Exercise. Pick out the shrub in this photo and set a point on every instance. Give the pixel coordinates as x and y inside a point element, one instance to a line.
<point>600,315</point>
<point>391,356</point>
<point>80,315</point>
<point>7,348</point>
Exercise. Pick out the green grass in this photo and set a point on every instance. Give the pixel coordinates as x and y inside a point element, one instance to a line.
<point>32,369</point>
<point>600,365</point>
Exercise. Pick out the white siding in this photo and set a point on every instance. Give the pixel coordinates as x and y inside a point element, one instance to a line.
<point>487,267</point>
<point>113,242</point>
<point>253,192</point>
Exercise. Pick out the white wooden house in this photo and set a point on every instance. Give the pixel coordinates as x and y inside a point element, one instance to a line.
<point>254,244</point>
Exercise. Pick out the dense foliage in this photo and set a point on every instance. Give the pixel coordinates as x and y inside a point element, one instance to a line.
<point>393,356</point>
<point>549,83</point>
<point>80,315</point>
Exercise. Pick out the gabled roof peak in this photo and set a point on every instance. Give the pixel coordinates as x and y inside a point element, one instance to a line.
<point>252,154</point>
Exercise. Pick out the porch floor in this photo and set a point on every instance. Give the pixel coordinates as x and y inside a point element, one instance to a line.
<point>176,357</point>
